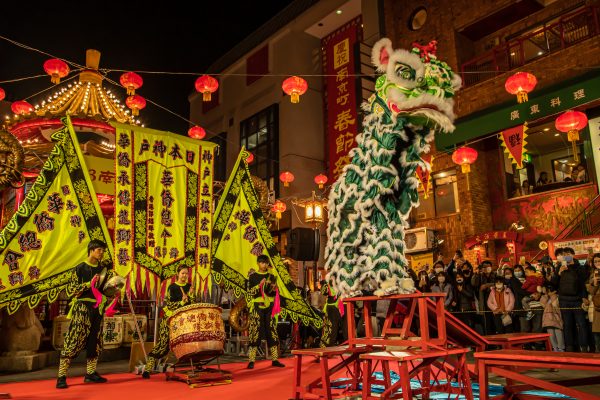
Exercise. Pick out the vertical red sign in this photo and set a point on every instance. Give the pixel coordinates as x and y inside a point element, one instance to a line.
<point>340,95</point>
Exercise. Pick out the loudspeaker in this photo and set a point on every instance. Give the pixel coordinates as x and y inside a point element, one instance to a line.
<point>304,244</point>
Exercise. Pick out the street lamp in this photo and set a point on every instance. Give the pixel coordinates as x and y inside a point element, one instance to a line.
<point>314,209</point>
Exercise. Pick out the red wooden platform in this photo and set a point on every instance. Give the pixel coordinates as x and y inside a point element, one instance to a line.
<point>509,363</point>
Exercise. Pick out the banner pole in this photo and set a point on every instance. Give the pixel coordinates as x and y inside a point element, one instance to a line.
<point>137,328</point>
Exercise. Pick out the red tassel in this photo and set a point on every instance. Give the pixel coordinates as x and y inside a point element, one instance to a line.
<point>341,307</point>
<point>276,304</point>
<point>96,292</point>
<point>110,311</point>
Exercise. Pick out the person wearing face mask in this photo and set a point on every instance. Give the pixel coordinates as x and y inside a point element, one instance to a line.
<point>501,302</point>
<point>437,268</point>
<point>423,284</point>
<point>442,285</point>
<point>482,281</point>
<point>515,283</point>
<point>572,294</point>
<point>464,300</point>
<point>457,264</point>
<point>592,287</point>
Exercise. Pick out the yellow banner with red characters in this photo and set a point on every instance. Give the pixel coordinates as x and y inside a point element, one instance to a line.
<point>163,207</point>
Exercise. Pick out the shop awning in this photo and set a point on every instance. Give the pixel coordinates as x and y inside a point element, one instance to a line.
<point>552,100</point>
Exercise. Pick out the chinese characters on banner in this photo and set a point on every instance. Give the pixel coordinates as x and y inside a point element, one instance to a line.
<point>513,140</point>
<point>424,175</point>
<point>102,174</point>
<point>163,206</point>
<point>342,122</point>
<point>49,234</point>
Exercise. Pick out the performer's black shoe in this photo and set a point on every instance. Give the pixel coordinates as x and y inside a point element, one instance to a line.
<point>146,375</point>
<point>276,363</point>
<point>250,365</point>
<point>61,382</point>
<point>94,378</point>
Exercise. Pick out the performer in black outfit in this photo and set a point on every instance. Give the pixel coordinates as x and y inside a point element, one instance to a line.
<point>332,318</point>
<point>178,294</point>
<point>85,329</point>
<point>261,291</point>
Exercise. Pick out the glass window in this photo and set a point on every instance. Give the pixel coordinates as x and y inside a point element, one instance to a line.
<point>442,199</point>
<point>260,135</point>
<point>549,162</point>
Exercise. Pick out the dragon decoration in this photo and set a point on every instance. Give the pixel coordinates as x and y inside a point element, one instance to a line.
<point>370,202</point>
<point>11,161</point>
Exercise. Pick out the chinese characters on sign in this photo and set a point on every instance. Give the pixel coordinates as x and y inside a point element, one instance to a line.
<point>513,140</point>
<point>342,121</point>
<point>163,205</point>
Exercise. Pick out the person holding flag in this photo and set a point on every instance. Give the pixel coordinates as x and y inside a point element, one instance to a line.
<point>264,306</point>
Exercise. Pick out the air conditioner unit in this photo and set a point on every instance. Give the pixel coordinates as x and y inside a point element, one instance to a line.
<point>418,239</point>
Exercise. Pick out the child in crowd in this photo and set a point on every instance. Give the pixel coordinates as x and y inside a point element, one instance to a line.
<point>533,280</point>
<point>501,302</point>
<point>552,319</point>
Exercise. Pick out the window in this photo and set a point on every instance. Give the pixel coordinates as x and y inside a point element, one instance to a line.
<point>257,65</point>
<point>260,135</point>
<point>549,162</point>
<point>442,199</point>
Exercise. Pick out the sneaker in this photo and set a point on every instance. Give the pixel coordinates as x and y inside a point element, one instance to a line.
<point>250,365</point>
<point>94,378</point>
<point>529,315</point>
<point>61,382</point>
<point>146,375</point>
<point>276,363</point>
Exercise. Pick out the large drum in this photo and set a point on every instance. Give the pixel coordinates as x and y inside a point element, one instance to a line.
<point>130,333</point>
<point>112,332</point>
<point>196,330</point>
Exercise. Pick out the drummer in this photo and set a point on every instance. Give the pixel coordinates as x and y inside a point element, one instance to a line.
<point>262,290</point>
<point>178,294</point>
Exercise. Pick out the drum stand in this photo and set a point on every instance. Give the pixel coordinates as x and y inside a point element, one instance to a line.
<point>196,374</point>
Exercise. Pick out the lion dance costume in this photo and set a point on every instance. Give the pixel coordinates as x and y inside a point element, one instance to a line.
<point>370,202</point>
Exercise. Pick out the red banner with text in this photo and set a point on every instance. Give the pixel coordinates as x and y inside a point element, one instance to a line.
<point>513,140</point>
<point>424,175</point>
<point>340,95</point>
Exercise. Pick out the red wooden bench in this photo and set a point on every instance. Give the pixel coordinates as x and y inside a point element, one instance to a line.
<point>505,363</point>
<point>515,341</point>
<point>416,363</point>
<point>322,385</point>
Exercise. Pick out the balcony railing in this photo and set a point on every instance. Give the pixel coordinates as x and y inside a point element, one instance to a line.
<point>569,30</point>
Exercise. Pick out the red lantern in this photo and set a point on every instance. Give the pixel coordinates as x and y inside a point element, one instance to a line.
<point>131,81</point>
<point>136,103</point>
<point>21,107</point>
<point>571,122</point>
<point>321,180</point>
<point>2,94</point>
<point>56,69</point>
<point>250,158</point>
<point>286,177</point>
<point>197,132</point>
<point>206,85</point>
<point>465,156</point>
<point>520,84</point>
<point>295,87</point>
<point>279,207</point>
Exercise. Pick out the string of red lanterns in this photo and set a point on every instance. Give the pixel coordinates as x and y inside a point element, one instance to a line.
<point>131,81</point>
<point>295,87</point>
<point>206,85</point>
<point>57,69</point>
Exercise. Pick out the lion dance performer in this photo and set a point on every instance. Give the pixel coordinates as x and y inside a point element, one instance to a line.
<point>88,307</point>
<point>178,294</point>
<point>370,202</point>
<point>334,311</point>
<point>263,306</point>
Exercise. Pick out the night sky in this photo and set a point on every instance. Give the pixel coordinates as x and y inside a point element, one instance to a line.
<point>131,35</point>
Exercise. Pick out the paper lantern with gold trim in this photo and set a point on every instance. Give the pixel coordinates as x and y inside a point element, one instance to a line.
<point>206,85</point>
<point>135,103</point>
<point>295,87</point>
<point>131,81</point>
<point>520,84</point>
<point>56,69</point>
<point>465,156</point>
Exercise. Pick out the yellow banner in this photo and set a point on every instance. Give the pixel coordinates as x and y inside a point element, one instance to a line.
<point>163,206</point>
<point>418,261</point>
<point>48,235</point>
<point>102,174</point>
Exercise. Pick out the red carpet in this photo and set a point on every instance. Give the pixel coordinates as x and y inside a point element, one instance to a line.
<point>263,382</point>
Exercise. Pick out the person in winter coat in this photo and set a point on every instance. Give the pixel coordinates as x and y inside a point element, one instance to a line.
<point>464,300</point>
<point>592,288</point>
<point>442,286</point>
<point>552,319</point>
<point>501,301</point>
